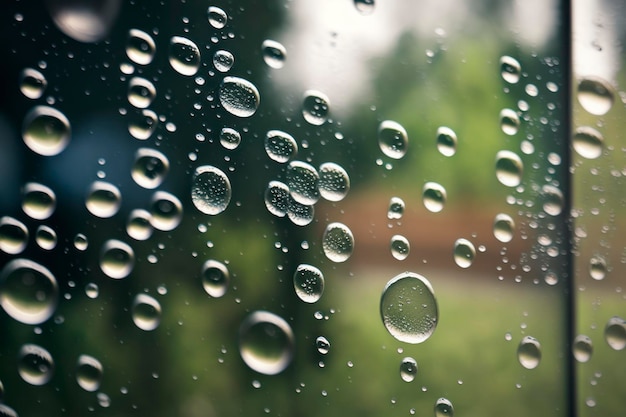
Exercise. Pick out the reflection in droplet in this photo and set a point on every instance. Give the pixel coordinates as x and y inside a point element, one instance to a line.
<point>553,200</point>
<point>510,69</point>
<point>141,92</point>
<point>230,138</point>
<point>89,373</point>
<point>334,182</point>
<point>46,130</point>
<point>150,168</point>
<point>615,333</point>
<point>503,227</point>
<point>239,97</point>
<point>464,253</point>
<point>434,197</point>
<point>46,237</point>
<point>88,21</point>
<point>166,211</point>
<point>597,267</point>
<point>38,201</point>
<point>217,17</point>
<point>215,278</point>
<point>588,142</point>
<point>35,364</point>
<point>315,107</point>
<point>583,348</point>
<point>509,168</point>
<point>338,242</point>
<point>400,247</point>
<point>444,408</point>
<point>595,95</point>
<point>280,146</point>
<point>184,55</point>
<point>300,214</point>
<point>223,60</point>
<point>140,47</point>
<point>266,342</point>
<point>274,54</point>
<point>396,208</point>
<point>32,83</point>
<point>392,139</point>
<point>308,282</point>
<point>446,141</point>
<point>80,242</point>
<point>364,7</point>
<point>143,124</point>
<point>138,225</point>
<point>117,259</point>
<point>408,308</point>
<point>13,235</point>
<point>509,121</point>
<point>210,191</point>
<point>408,369</point>
<point>146,312</point>
<point>529,352</point>
<point>103,199</point>
<point>28,291</point>
<point>277,198</point>
<point>303,182</point>
<point>323,345</point>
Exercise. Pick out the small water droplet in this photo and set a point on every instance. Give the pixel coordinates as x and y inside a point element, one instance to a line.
<point>46,130</point>
<point>615,333</point>
<point>510,69</point>
<point>138,225</point>
<point>323,345</point>
<point>230,138</point>
<point>146,312</point>
<point>509,121</point>
<point>303,182</point>
<point>92,290</point>
<point>266,342</point>
<point>315,107</point>
<point>217,17</point>
<point>143,124</point>
<point>444,408</point>
<point>446,141</point>
<point>150,168</point>
<point>103,199</point>
<point>32,83</point>
<point>13,235</point>
<point>392,139</point>
<point>597,267</point>
<point>46,237</point>
<point>141,92</point>
<point>338,242</point>
<point>280,146</point>
<point>117,259</point>
<point>583,348</point>
<point>223,60</point>
<point>38,201</point>
<point>595,95</point>
<point>140,47</point>
<point>503,228</point>
<point>396,208</point>
<point>274,54</point>
<point>89,373</point>
<point>277,198</point>
<point>334,182</point>
<point>529,352</point>
<point>35,364</point>
<point>408,369</point>
<point>588,142</point>
<point>239,97</point>
<point>210,191</point>
<point>509,168</point>
<point>400,247</point>
<point>80,242</point>
<point>365,7</point>
<point>308,282</point>
<point>184,55</point>
<point>464,253</point>
<point>434,197</point>
<point>166,211</point>
<point>215,278</point>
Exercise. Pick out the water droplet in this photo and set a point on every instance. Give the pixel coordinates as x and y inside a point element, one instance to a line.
<point>334,182</point>
<point>280,146</point>
<point>408,308</point>
<point>408,369</point>
<point>553,200</point>
<point>444,408</point>
<point>239,97</point>
<point>300,214</point>
<point>551,278</point>
<point>365,7</point>
<point>615,333</point>
<point>140,47</point>
<point>446,141</point>
<point>308,282</point>
<point>32,83</point>
<point>141,92</point>
<point>509,168</point>
<point>400,247</point>
<point>46,130</point>
<point>13,235</point>
<point>89,373</point>
<point>35,364</point>
<point>266,342</point>
<point>323,345</point>
<point>277,198</point>
<point>38,201</point>
<point>510,69</point>
<point>392,139</point>
<point>230,138</point>
<point>396,208</point>
<point>28,291</point>
<point>464,253</point>
<point>46,237</point>
<point>217,17</point>
<point>509,121</point>
<point>150,168</point>
<point>274,54</point>
<point>595,95</point>
<point>338,242</point>
<point>303,182</point>
<point>103,199</point>
<point>184,55</point>
<point>6,411</point>
<point>139,225</point>
<point>588,142</point>
<point>434,197</point>
<point>223,60</point>
<point>503,227</point>
<point>84,21</point>
<point>529,352</point>
<point>597,267</point>
<point>166,211</point>
<point>583,348</point>
<point>92,290</point>
<point>315,107</point>
<point>146,312</point>
<point>80,242</point>
<point>117,259</point>
<point>143,124</point>
<point>215,278</point>
<point>211,191</point>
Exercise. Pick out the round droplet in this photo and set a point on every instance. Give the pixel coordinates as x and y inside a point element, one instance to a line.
<point>597,267</point>
<point>46,237</point>
<point>446,141</point>
<point>510,69</point>
<point>146,312</point>
<point>46,130</point>
<point>392,139</point>
<point>80,242</point>
<point>92,290</point>
<point>140,47</point>
<point>588,142</point>
<point>615,333</point>
<point>315,107</point>
<point>89,373</point>
<point>434,197</point>
<point>215,278</point>
<point>239,97</point>
<point>210,191</point>
<point>150,168</point>
<point>583,348</point>
<point>323,345</point>
<point>103,199</point>
<point>408,369</point>
<point>13,235</point>
<point>117,259</point>
<point>303,182</point>
<point>28,291</point>
<point>166,211</point>
<point>300,214</point>
<point>38,201</point>
<point>141,92</point>
<point>32,83</point>
<point>509,168</point>
<point>408,308</point>
<point>184,55</point>
<point>551,278</point>
<point>464,253</point>
<point>444,408</point>
<point>280,146</point>
<point>334,182</point>
<point>266,342</point>
<point>139,224</point>
<point>84,21</point>
<point>143,124</point>
<point>553,200</point>
<point>595,95</point>
<point>223,60</point>
<point>400,247</point>
<point>365,7</point>
<point>509,121</point>
<point>230,138</point>
<point>274,54</point>
<point>277,198</point>
<point>529,352</point>
<point>35,364</point>
<point>396,208</point>
<point>338,242</point>
<point>503,227</point>
<point>217,17</point>
<point>308,282</point>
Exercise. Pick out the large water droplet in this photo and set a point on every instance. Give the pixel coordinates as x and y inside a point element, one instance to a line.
<point>334,182</point>
<point>266,342</point>
<point>464,253</point>
<point>141,92</point>
<point>46,130</point>
<point>13,235</point>
<point>32,83</point>
<point>280,146</point>
<point>150,168</point>
<point>184,55</point>
<point>274,54</point>
<point>230,138</point>
<point>315,107</point>
<point>588,142</point>
<point>143,124</point>
<point>595,95</point>
<point>217,17</point>
<point>365,7</point>
<point>503,227</point>
<point>140,47</point>
<point>323,345</point>
<point>300,214</point>
<point>28,291</point>
<point>46,237</point>
<point>6,411</point>
<point>210,191</point>
<point>308,282</point>
<point>239,97</point>
<point>408,369</point>
<point>117,259</point>
<point>446,141</point>
<point>444,408</point>
<point>338,242</point>
<point>103,199</point>
<point>303,182</point>
<point>553,200</point>
<point>84,21</point>
<point>392,139</point>
<point>215,278</point>
<point>35,364</point>
<point>38,201</point>
<point>223,60</point>
<point>396,208</point>
<point>597,267</point>
<point>400,247</point>
<point>583,348</point>
<point>509,168</point>
<point>166,211</point>
<point>529,352</point>
<point>146,312</point>
<point>139,224</point>
<point>434,197</point>
<point>615,333</point>
<point>510,69</point>
<point>408,308</point>
<point>509,121</point>
<point>277,198</point>
<point>89,373</point>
